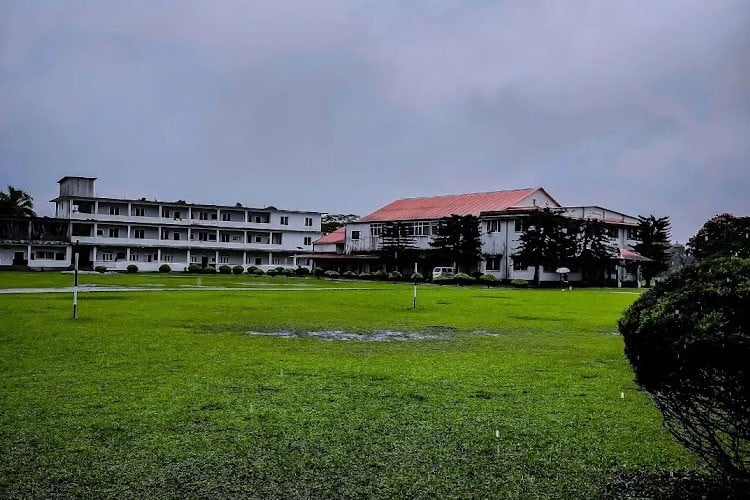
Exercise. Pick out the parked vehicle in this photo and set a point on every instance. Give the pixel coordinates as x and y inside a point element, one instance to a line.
<point>447,272</point>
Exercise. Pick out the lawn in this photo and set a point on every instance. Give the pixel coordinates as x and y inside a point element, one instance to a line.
<point>517,393</point>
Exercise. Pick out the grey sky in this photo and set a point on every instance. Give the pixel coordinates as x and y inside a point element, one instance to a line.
<point>343,106</point>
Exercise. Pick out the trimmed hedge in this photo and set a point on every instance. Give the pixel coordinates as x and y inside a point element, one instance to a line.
<point>164,268</point>
<point>100,269</point>
<point>331,274</point>
<point>688,340</point>
<point>132,268</point>
<point>225,269</point>
<point>238,269</point>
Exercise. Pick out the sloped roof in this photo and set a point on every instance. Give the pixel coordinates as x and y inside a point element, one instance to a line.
<point>436,207</point>
<point>338,236</point>
<point>627,254</point>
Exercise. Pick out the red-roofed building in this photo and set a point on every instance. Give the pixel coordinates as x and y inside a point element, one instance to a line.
<point>500,213</point>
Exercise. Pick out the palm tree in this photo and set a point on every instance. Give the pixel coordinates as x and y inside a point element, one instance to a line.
<point>16,203</point>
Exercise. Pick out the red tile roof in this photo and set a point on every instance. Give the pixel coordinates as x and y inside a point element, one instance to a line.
<point>444,206</point>
<point>627,254</point>
<point>338,236</point>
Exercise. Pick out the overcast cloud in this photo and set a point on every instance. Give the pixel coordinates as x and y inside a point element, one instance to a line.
<point>343,106</point>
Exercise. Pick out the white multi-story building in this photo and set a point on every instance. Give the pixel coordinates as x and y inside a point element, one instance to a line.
<point>116,232</point>
<point>501,216</point>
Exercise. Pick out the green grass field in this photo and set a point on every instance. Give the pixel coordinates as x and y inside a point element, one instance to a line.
<point>166,394</point>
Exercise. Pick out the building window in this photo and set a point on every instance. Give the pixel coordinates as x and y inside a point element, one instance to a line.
<point>493,226</point>
<point>612,231</point>
<point>114,210</point>
<point>195,259</point>
<point>225,238</point>
<point>258,261</point>
<point>517,266</point>
<point>167,258</point>
<point>202,236</point>
<point>258,238</point>
<point>308,221</point>
<point>632,233</point>
<point>165,235</point>
<point>100,232</point>
<point>276,238</point>
<point>139,211</point>
<point>226,216</point>
<point>178,216</point>
<point>355,235</point>
<point>214,215</point>
<point>236,237</point>
<point>60,256</point>
<point>308,240</point>
<point>165,212</point>
<point>107,256</point>
<point>376,230</point>
<point>114,232</point>
<point>493,262</point>
<point>520,225</point>
<point>276,261</point>
<point>223,259</point>
<point>120,255</point>
<point>176,236</point>
<point>139,234</point>
<point>284,220</point>
<point>203,215</point>
<point>420,229</point>
<point>134,257</point>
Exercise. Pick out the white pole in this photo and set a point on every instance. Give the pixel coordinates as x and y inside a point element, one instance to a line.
<point>75,286</point>
<point>414,302</point>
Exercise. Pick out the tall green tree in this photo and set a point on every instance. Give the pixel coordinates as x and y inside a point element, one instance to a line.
<point>458,240</point>
<point>594,251</point>
<point>331,222</point>
<point>722,236</point>
<point>653,234</point>
<point>16,203</point>
<point>397,245</point>
<point>548,239</point>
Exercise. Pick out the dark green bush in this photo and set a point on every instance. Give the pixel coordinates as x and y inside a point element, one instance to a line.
<point>210,270</point>
<point>258,272</point>
<point>164,268</point>
<point>365,276</point>
<point>238,269</point>
<point>688,340</point>
<point>418,277</point>
<point>288,271</point>
<point>463,279</point>
<point>132,268</point>
<point>395,276</point>
<point>519,283</point>
<point>252,269</point>
<point>302,271</point>
<point>100,269</point>
<point>489,280</point>
<point>225,269</point>
<point>272,272</point>
<point>443,280</point>
<point>350,275</point>
<point>331,274</point>
<point>318,272</point>
<point>193,268</point>
<point>380,275</point>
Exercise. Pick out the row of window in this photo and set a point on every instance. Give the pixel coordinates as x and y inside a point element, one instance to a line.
<point>47,255</point>
<point>139,234</point>
<point>206,215</point>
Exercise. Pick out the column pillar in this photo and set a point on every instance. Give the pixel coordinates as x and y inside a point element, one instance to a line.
<point>216,263</point>
<point>270,258</point>
<point>244,257</point>
<point>158,255</point>
<point>129,209</point>
<point>93,254</point>
<point>188,257</point>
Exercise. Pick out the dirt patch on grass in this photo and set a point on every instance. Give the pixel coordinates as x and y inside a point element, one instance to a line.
<point>376,336</point>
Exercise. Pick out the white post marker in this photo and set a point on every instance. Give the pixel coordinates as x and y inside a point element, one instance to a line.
<point>75,286</point>
<point>414,302</point>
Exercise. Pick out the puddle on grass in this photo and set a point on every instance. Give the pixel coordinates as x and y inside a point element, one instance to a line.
<point>377,336</point>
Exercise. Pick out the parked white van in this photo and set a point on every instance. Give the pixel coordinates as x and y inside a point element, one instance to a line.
<point>448,272</point>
